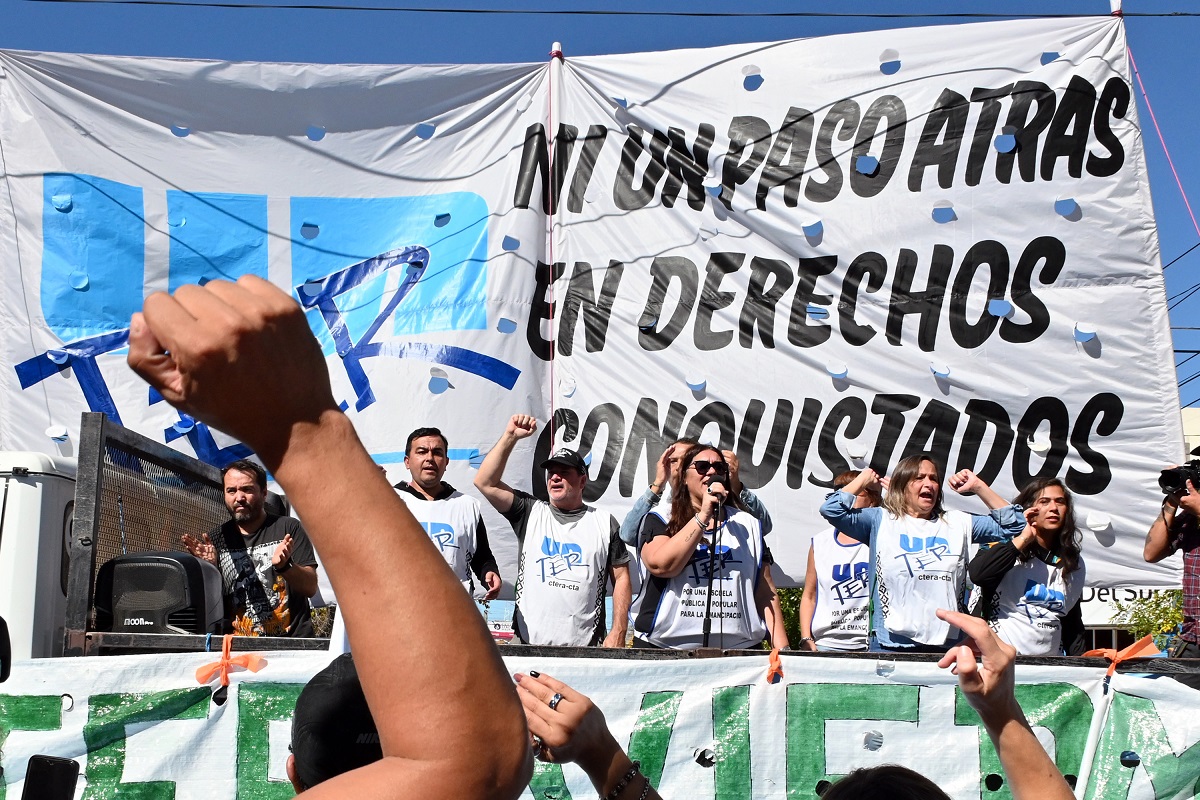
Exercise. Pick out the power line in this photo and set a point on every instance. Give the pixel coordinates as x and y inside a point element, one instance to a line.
<point>1181,255</point>
<point>590,12</point>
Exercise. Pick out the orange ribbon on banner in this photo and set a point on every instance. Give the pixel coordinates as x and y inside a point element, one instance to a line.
<point>1142,648</point>
<point>249,661</point>
<point>775,669</point>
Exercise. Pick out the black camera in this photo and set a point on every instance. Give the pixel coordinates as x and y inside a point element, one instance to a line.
<point>1174,480</point>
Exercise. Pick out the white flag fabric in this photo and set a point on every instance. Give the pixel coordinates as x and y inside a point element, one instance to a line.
<point>820,254</point>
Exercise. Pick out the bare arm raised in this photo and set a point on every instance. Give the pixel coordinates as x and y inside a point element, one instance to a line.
<point>195,345</point>
<point>489,480</point>
<point>988,686</point>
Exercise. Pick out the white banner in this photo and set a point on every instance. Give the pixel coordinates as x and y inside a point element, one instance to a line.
<point>820,253</point>
<point>702,728</point>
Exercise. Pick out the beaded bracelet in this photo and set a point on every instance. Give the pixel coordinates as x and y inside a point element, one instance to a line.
<point>621,784</point>
<point>645,789</point>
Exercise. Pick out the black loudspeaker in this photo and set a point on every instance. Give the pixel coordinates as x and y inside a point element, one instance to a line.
<point>159,592</point>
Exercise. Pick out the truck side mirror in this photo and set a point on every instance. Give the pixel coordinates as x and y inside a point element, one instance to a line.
<point>5,651</point>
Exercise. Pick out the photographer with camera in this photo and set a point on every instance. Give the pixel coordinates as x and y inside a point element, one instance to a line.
<point>1177,528</point>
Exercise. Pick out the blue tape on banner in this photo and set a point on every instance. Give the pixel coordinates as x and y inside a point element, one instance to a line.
<point>216,235</point>
<point>93,255</point>
<point>451,296</point>
<point>81,358</point>
<point>202,441</point>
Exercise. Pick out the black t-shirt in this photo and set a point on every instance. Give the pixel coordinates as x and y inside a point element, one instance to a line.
<point>259,601</point>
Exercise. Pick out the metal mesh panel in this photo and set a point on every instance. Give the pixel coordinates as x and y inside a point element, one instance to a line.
<point>146,506</point>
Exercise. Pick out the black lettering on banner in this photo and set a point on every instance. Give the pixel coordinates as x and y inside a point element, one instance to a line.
<point>541,309</point>
<point>743,132</point>
<point>1100,414</point>
<point>852,411</point>
<point>892,408</point>
<point>535,163</point>
<point>842,119</point>
<point>722,415</point>
<point>873,267</point>
<point>663,270</point>
<point>610,417</point>
<point>627,196</point>
<point>934,432</point>
<point>1025,94</point>
<point>980,415</point>
<point>786,158</point>
<point>686,166</point>
<point>1052,254</point>
<point>890,108</point>
<point>645,435</point>
<point>581,298</point>
<point>759,308</point>
<point>941,140</point>
<point>757,474</point>
<point>967,334</point>
<point>589,154</point>
<point>810,413</point>
<point>927,303</point>
<point>1068,134</point>
<point>985,129</point>
<point>1043,409</point>
<point>1114,103</point>
<point>986,425</point>
<point>712,299</point>
<point>800,332</point>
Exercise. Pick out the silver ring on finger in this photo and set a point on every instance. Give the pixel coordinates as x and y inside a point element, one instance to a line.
<point>538,744</point>
<point>554,701</point>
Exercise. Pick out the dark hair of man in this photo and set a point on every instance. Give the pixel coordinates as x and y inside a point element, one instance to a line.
<point>1067,547</point>
<point>905,473</point>
<point>681,500</point>
<point>250,468</point>
<point>885,782</point>
<point>421,433</point>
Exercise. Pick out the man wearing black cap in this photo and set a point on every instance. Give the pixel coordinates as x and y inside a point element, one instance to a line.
<point>332,729</point>
<point>568,550</point>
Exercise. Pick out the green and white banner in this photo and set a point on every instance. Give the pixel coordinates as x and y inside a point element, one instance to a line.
<point>141,727</point>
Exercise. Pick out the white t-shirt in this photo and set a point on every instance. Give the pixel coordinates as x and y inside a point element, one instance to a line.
<point>1029,603</point>
<point>843,593</point>
<point>451,523</point>
<point>921,566</point>
<point>563,572</point>
<point>670,612</point>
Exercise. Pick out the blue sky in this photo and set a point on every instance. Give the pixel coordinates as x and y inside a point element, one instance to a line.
<point>1164,48</point>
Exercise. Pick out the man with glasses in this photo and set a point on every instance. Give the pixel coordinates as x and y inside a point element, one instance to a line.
<point>568,550</point>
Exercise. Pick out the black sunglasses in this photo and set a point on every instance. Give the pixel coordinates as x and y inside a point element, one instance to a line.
<point>702,467</point>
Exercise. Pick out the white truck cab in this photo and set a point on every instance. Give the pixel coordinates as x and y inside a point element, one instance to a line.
<point>37,502</point>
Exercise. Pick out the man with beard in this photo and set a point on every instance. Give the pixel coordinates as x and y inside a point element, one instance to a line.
<point>266,561</point>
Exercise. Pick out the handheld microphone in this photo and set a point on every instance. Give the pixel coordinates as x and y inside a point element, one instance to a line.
<point>717,482</point>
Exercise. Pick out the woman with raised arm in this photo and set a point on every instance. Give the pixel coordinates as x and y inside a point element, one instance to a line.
<point>708,533</point>
<point>1031,586</point>
<point>918,549</point>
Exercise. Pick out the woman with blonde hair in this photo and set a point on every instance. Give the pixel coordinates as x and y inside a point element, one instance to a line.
<point>918,560</point>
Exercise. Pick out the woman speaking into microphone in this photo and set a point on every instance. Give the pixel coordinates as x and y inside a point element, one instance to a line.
<point>704,585</point>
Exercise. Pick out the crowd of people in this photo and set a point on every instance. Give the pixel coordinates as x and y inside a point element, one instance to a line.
<point>700,556</point>
<point>192,346</point>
